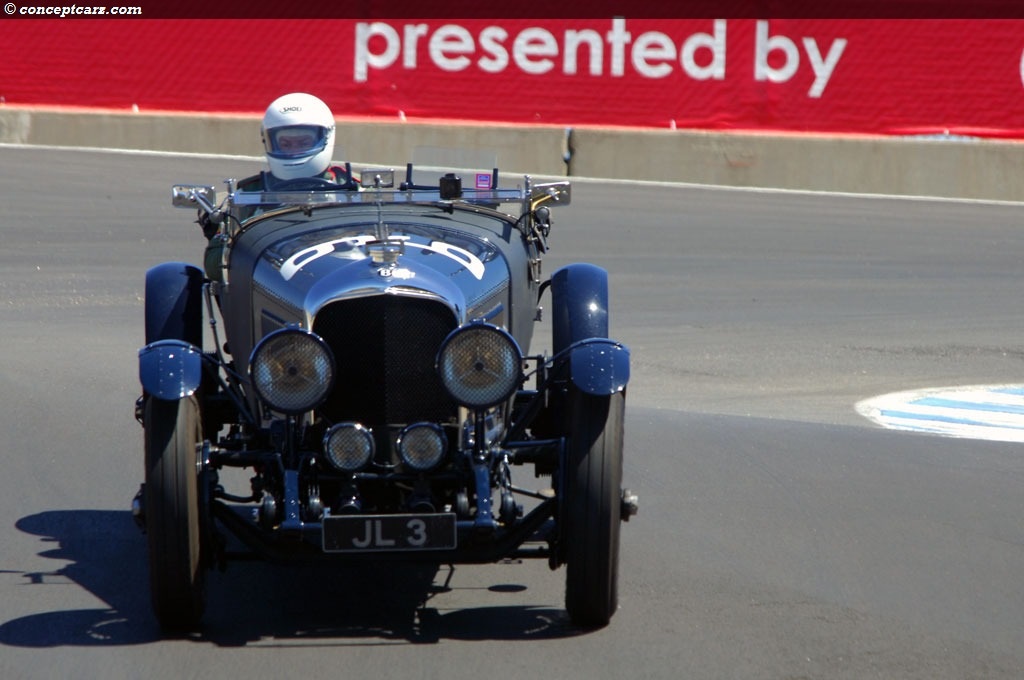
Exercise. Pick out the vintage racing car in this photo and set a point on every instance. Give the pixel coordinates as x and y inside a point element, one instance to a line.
<point>368,367</point>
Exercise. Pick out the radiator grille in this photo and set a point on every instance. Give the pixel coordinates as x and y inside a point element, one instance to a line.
<point>385,348</point>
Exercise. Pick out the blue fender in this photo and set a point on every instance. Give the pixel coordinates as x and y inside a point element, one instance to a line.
<point>599,366</point>
<point>170,369</point>
<point>174,303</point>
<point>579,298</point>
<point>579,295</point>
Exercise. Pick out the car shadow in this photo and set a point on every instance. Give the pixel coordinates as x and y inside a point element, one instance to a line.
<point>103,552</point>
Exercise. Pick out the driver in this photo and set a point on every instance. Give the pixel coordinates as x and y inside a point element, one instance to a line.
<point>298,140</point>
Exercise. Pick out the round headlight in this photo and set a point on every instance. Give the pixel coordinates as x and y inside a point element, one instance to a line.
<point>349,446</point>
<point>292,370</point>
<point>422,446</point>
<point>480,365</point>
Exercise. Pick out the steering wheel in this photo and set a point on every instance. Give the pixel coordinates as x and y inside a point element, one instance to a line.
<point>304,184</point>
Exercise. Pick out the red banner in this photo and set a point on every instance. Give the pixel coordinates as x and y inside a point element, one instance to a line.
<point>829,75</point>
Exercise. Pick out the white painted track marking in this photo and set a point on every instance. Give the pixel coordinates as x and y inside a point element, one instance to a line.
<point>994,412</point>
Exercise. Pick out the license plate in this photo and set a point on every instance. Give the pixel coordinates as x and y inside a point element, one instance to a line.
<point>387,533</point>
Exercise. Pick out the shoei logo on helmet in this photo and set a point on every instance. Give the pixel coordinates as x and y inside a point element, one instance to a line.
<point>291,109</point>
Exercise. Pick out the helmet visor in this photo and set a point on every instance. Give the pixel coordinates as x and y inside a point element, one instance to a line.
<point>295,141</point>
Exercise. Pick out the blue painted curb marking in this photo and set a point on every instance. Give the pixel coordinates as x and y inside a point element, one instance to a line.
<point>994,412</point>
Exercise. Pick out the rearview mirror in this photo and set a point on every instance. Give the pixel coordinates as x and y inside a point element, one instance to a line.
<point>377,179</point>
<point>193,196</point>
<point>554,194</point>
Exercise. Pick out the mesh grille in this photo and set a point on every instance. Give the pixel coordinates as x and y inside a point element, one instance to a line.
<point>385,348</point>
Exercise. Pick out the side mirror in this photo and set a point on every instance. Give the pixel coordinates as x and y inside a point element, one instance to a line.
<point>556,193</point>
<point>194,196</point>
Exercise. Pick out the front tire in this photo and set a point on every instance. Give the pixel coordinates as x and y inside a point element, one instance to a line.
<point>593,507</point>
<point>173,512</point>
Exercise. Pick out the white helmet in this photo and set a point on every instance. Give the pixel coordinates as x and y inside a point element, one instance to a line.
<point>298,136</point>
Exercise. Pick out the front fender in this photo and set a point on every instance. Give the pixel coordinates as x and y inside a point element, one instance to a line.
<point>599,366</point>
<point>174,303</point>
<point>170,369</point>
<point>579,301</point>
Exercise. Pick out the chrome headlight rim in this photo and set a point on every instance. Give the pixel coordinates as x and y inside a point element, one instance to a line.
<point>480,365</point>
<point>402,445</point>
<point>264,367</point>
<point>365,435</point>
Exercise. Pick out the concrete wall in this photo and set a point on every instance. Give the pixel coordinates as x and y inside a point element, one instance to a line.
<point>981,169</point>
<point>883,165</point>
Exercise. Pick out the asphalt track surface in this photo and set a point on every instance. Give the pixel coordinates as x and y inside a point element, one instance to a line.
<point>781,535</point>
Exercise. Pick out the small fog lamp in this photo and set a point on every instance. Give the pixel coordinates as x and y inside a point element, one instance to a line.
<point>422,446</point>
<point>349,446</point>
